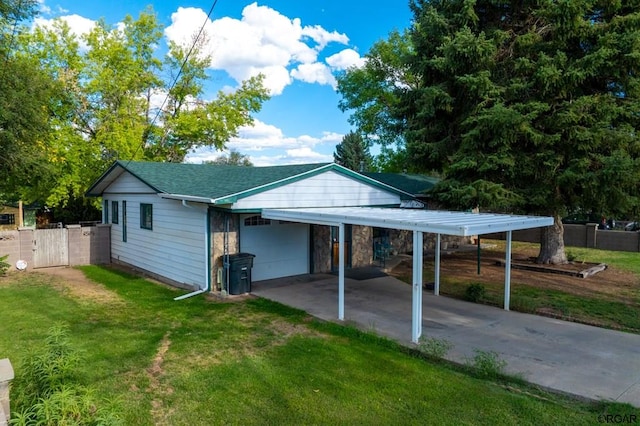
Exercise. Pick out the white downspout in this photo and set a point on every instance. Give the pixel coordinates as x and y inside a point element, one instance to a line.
<point>186,296</point>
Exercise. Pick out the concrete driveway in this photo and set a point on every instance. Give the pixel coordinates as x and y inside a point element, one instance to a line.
<point>582,360</point>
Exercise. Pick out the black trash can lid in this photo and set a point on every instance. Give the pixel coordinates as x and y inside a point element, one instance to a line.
<point>241,255</point>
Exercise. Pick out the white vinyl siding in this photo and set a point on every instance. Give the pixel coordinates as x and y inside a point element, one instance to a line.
<point>175,249</point>
<point>329,189</point>
<point>128,184</point>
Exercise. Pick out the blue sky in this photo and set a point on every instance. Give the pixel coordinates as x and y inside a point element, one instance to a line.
<point>298,45</point>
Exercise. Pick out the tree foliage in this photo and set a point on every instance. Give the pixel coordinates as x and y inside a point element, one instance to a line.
<point>353,153</point>
<point>233,159</point>
<point>527,106</point>
<point>25,99</point>
<point>371,92</point>
<point>120,101</point>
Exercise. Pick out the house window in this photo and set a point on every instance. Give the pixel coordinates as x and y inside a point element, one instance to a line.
<point>256,221</point>
<point>105,212</point>
<point>7,219</point>
<point>146,216</point>
<point>114,212</point>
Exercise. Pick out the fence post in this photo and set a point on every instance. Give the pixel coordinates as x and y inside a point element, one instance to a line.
<point>592,235</point>
<point>6,375</point>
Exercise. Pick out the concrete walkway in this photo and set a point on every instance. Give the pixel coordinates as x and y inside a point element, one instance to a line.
<point>581,360</point>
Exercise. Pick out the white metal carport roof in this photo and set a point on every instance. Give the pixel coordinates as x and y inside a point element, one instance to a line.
<point>418,221</point>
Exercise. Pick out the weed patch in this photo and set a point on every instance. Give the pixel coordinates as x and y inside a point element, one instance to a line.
<point>434,347</point>
<point>487,364</point>
<point>46,391</point>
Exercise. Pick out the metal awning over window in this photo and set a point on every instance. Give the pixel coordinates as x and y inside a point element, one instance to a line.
<point>419,221</point>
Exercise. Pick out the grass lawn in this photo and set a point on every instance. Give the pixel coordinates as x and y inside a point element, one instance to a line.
<point>204,362</point>
<point>617,309</point>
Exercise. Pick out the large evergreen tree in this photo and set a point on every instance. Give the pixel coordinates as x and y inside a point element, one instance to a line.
<point>353,153</point>
<point>529,106</point>
<point>526,106</point>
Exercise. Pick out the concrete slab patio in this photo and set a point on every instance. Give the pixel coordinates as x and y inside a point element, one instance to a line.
<point>577,359</point>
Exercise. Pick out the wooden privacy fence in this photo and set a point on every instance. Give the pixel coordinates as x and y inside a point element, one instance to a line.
<point>582,236</point>
<point>69,246</point>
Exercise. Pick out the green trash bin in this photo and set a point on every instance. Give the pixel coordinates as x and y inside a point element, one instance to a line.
<point>240,265</point>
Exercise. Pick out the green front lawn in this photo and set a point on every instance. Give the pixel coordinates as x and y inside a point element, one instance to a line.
<point>204,362</point>
<point>618,311</point>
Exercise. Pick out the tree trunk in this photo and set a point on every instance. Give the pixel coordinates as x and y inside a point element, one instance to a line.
<point>552,243</point>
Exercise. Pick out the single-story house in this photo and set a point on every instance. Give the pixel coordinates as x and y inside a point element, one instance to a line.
<point>181,222</point>
<point>178,221</point>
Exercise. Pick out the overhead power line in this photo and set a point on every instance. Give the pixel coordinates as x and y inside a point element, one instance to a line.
<point>175,80</point>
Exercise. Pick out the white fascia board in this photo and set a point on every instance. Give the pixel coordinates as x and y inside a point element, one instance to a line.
<point>439,222</point>
<point>191,198</point>
<point>518,223</point>
<point>292,216</point>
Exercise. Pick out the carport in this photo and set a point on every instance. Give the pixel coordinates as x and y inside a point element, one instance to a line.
<point>419,222</point>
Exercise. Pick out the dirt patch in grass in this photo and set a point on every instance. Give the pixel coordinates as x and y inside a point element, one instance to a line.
<point>155,372</point>
<point>78,285</point>
<point>611,283</point>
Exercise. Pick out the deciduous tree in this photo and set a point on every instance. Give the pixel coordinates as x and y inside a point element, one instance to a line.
<point>233,159</point>
<point>371,92</point>
<point>25,98</point>
<point>123,102</point>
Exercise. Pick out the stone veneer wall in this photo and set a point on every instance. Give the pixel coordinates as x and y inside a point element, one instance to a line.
<point>321,256</point>
<point>361,245</point>
<point>217,240</point>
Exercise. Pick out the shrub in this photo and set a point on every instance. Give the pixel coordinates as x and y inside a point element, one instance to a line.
<point>487,364</point>
<point>4,265</point>
<point>433,347</point>
<point>45,392</point>
<point>475,293</point>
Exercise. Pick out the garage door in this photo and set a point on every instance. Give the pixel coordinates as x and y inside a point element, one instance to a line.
<point>281,248</point>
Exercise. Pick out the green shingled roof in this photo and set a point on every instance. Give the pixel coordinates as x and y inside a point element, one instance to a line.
<point>411,183</point>
<point>214,182</point>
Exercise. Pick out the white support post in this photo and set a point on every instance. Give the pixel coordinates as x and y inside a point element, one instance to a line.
<point>436,279</point>
<point>341,272</point>
<point>416,320</point>
<point>507,273</point>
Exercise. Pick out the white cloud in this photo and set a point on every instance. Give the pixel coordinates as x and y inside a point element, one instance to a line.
<point>273,147</point>
<point>262,41</point>
<point>324,37</point>
<point>43,8</point>
<point>307,155</point>
<point>314,73</point>
<point>345,59</point>
<point>263,136</point>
